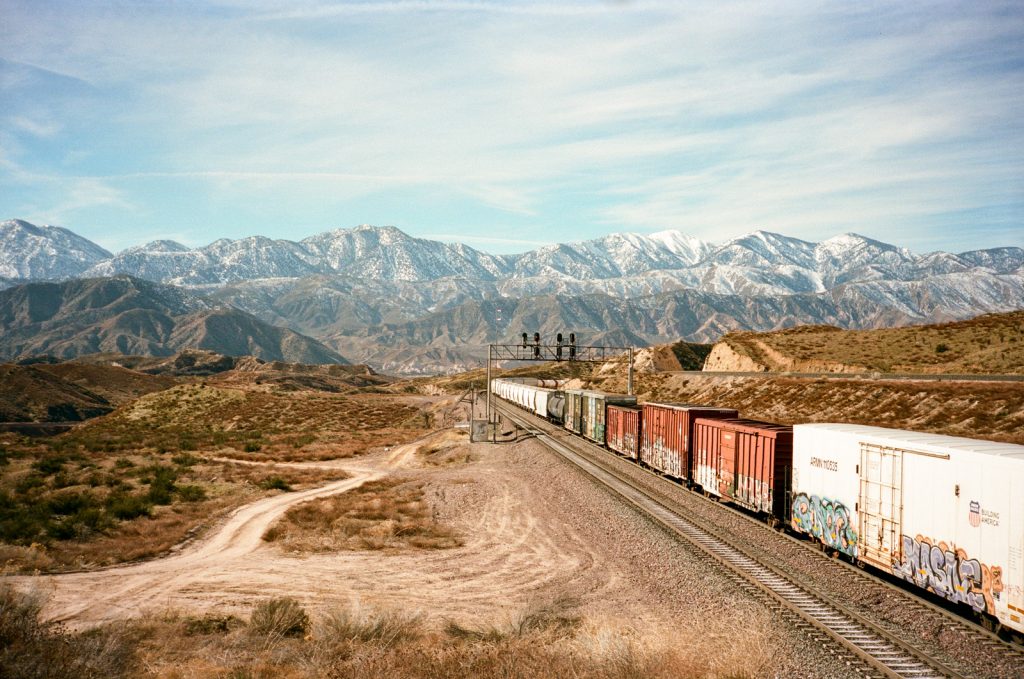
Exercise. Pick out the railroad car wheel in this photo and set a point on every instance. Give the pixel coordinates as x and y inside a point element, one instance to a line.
<point>989,623</point>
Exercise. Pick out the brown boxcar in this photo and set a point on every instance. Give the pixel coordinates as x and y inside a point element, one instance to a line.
<point>744,461</point>
<point>668,435</point>
<point>622,430</point>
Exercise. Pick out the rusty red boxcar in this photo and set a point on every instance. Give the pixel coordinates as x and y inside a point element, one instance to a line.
<point>622,430</point>
<point>744,461</point>
<point>668,433</point>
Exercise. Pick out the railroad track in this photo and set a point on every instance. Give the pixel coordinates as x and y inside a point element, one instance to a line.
<point>874,649</point>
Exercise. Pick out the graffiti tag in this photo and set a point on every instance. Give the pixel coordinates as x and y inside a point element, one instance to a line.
<point>827,520</point>
<point>953,575</point>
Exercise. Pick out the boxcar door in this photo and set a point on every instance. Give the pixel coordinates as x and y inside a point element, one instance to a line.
<point>727,470</point>
<point>881,504</point>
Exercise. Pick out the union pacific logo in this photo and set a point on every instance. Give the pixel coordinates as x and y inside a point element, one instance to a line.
<point>975,514</point>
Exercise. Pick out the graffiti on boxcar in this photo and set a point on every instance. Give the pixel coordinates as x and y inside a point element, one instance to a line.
<point>951,574</point>
<point>828,520</point>
<point>754,492</point>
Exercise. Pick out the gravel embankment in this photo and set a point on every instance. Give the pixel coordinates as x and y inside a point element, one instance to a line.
<point>661,578</point>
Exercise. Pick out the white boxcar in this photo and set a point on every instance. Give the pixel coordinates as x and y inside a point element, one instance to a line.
<point>540,401</point>
<point>943,512</point>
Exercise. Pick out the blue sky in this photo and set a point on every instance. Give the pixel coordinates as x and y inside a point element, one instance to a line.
<point>511,124</point>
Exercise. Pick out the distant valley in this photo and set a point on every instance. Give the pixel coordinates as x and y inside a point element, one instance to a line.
<point>406,305</point>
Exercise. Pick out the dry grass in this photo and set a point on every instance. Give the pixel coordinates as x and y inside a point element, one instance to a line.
<point>989,344</point>
<point>450,448</point>
<point>255,424</point>
<point>368,642</point>
<point>279,618</point>
<point>281,639</point>
<point>134,484</point>
<point>345,625</point>
<point>32,649</point>
<point>64,510</point>
<point>380,515</point>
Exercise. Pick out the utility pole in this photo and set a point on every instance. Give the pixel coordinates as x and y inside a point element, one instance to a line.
<point>629,379</point>
<point>490,352</point>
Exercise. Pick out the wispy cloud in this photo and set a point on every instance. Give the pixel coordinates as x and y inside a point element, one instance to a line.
<point>716,118</point>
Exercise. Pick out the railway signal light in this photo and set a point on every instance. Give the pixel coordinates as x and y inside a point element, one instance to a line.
<point>525,343</point>
<point>572,346</point>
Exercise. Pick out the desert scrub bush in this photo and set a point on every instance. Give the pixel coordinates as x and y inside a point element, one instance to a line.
<point>32,649</point>
<point>125,507</point>
<point>380,626</point>
<point>191,493</point>
<point>211,623</point>
<point>301,440</point>
<point>185,460</point>
<point>49,465</point>
<point>281,617</point>
<point>553,617</point>
<point>275,483</point>
<point>161,483</point>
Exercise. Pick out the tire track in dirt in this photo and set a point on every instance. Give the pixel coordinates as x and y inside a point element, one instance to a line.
<point>513,551</point>
<point>113,593</point>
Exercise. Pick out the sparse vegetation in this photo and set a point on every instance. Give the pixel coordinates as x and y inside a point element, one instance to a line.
<point>31,648</point>
<point>986,344</point>
<point>134,483</point>
<point>553,641</point>
<point>379,515</point>
<point>365,624</point>
<point>282,617</point>
<point>274,483</point>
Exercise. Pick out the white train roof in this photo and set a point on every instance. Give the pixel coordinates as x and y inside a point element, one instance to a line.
<point>900,438</point>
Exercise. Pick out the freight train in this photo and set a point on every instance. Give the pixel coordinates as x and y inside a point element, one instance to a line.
<point>942,512</point>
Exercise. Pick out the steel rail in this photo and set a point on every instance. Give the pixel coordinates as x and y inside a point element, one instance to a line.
<point>864,640</point>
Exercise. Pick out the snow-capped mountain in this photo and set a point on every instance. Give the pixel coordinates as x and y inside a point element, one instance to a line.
<point>379,295</point>
<point>386,253</point>
<point>29,252</point>
<point>621,263</point>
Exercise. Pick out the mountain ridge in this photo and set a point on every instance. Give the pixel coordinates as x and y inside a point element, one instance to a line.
<point>389,254</point>
<point>133,316</point>
<point>412,305</point>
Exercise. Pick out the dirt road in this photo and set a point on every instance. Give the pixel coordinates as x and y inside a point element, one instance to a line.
<point>508,554</point>
<point>83,599</point>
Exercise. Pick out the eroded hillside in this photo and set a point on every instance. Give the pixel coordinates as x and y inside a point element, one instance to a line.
<point>989,344</point>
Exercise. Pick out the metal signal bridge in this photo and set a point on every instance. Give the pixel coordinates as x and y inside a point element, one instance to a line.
<point>559,351</point>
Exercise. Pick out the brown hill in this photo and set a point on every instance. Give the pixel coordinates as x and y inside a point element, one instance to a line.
<point>989,344</point>
<point>131,316</point>
<point>68,392</point>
